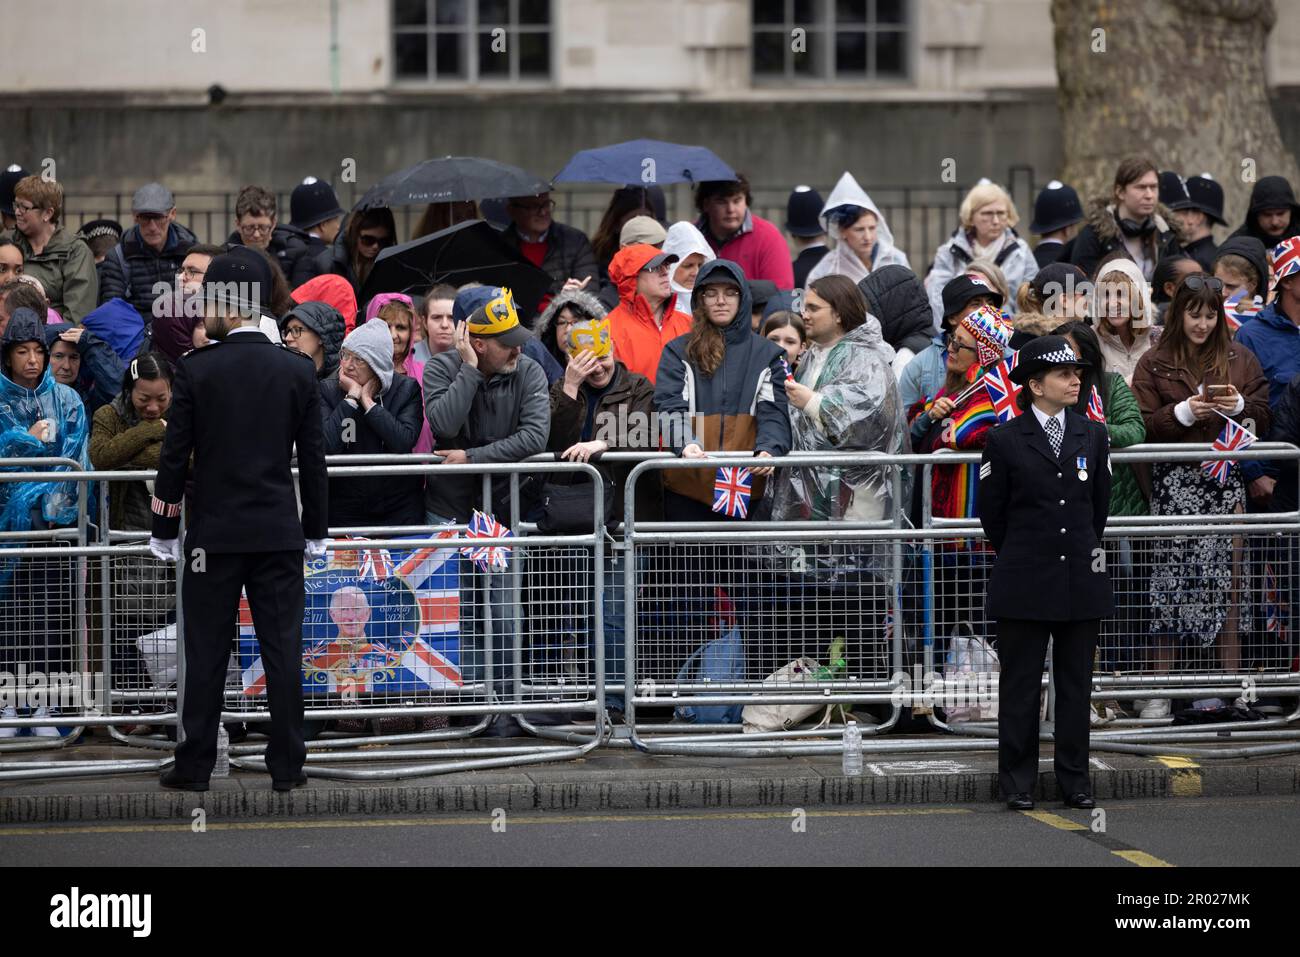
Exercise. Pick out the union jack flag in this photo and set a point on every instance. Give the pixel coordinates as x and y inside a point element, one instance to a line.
<point>1233,438</point>
<point>1238,309</point>
<point>1002,391</point>
<point>1095,411</point>
<point>1272,605</point>
<point>487,557</point>
<point>731,491</point>
<point>376,563</point>
<point>1286,258</point>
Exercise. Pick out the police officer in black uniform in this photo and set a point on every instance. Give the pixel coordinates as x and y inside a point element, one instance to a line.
<point>240,405</point>
<point>1043,496</point>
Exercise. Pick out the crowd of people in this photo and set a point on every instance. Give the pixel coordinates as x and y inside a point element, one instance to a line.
<point>729,335</point>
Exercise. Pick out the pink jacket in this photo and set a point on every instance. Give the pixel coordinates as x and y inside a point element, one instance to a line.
<point>762,252</point>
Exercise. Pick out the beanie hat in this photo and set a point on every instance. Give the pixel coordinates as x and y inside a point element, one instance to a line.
<point>383,299</point>
<point>991,334</point>
<point>372,343</point>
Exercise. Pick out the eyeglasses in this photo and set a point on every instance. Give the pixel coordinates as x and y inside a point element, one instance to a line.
<point>960,346</point>
<point>22,207</point>
<point>994,214</point>
<point>254,229</point>
<point>546,207</point>
<point>380,241</point>
<point>293,332</point>
<point>151,217</point>
<point>713,294</point>
<point>190,272</point>
<point>1197,283</point>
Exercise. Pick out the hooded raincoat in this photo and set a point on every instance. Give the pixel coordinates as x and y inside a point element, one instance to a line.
<point>639,339</point>
<point>741,407</point>
<point>683,239</point>
<point>24,505</point>
<point>843,261</point>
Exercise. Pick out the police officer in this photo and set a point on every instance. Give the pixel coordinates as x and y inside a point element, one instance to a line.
<point>240,406</point>
<point>1043,495</point>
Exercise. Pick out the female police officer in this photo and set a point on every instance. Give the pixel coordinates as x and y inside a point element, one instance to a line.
<point>1043,494</point>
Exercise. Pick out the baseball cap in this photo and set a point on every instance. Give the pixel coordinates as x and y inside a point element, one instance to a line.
<point>962,289</point>
<point>642,229</point>
<point>660,260</point>
<point>497,319</point>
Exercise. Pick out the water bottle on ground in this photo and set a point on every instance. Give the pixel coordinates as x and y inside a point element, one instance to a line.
<point>222,768</point>
<point>852,744</point>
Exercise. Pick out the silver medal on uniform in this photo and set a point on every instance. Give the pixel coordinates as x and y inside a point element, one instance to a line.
<point>1081,463</point>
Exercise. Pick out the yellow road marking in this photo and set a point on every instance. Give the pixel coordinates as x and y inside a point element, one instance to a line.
<point>517,819</point>
<point>1186,776</point>
<point>1142,859</point>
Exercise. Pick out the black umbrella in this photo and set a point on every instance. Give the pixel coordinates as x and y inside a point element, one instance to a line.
<point>466,252</point>
<point>452,179</point>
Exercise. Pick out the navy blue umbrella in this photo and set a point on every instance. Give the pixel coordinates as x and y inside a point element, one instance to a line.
<point>647,162</point>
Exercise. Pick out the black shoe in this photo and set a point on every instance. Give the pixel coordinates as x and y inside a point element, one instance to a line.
<point>172,779</point>
<point>297,782</point>
<point>1020,802</point>
<point>1081,800</point>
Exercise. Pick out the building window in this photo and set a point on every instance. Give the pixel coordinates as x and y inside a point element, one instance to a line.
<point>830,40</point>
<point>471,40</point>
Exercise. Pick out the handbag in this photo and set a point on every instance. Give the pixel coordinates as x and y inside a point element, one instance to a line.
<point>721,660</point>
<point>567,508</point>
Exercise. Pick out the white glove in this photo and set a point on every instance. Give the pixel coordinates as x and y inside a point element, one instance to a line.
<point>165,549</point>
<point>315,548</point>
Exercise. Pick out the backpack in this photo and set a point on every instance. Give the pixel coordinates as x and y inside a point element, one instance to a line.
<point>721,660</point>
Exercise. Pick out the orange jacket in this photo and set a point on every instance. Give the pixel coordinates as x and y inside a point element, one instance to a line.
<point>638,339</point>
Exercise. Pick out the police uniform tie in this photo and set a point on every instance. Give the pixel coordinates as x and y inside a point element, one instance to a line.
<point>1054,434</point>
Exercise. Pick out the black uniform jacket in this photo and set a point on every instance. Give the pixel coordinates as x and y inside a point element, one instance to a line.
<point>239,406</point>
<point>1045,518</point>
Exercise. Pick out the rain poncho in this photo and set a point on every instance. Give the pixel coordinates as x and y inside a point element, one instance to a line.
<point>843,261</point>
<point>855,409</point>
<point>20,409</point>
<point>682,240</point>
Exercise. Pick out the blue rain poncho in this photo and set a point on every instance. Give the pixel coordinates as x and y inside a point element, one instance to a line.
<point>20,409</point>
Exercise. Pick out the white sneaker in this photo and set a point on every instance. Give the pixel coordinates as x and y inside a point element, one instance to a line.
<point>9,712</point>
<point>1156,708</point>
<point>45,730</point>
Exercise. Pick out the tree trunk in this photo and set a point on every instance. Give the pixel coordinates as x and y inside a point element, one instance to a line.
<point>1180,81</point>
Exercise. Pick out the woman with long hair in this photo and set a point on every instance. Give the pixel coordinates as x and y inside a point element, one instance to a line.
<point>1188,387</point>
<point>363,237</point>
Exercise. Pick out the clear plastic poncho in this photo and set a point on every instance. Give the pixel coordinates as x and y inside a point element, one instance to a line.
<point>841,260</point>
<point>856,408</point>
<point>20,409</point>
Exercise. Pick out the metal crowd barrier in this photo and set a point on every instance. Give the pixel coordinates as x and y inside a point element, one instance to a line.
<point>709,614</point>
<point>449,667</point>
<point>908,619</point>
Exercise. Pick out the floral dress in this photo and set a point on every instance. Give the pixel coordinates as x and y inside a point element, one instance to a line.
<point>1191,576</point>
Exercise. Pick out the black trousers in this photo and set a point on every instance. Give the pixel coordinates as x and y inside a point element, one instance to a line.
<point>1022,650</point>
<point>210,601</point>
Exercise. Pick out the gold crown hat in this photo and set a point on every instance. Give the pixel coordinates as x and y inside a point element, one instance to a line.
<point>497,319</point>
<point>592,335</point>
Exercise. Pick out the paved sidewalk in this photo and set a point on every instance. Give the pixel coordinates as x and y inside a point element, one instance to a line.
<point>617,779</point>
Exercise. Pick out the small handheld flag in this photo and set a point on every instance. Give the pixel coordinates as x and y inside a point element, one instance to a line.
<point>1239,309</point>
<point>1002,391</point>
<point>487,557</point>
<point>1233,438</point>
<point>1095,411</point>
<point>731,491</point>
<point>789,376</point>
